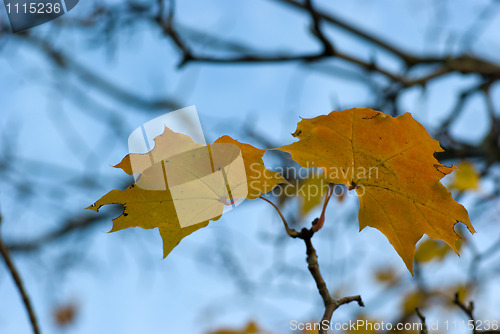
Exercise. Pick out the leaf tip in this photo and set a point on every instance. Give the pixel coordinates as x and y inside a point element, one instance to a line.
<point>409,266</point>
<point>166,251</point>
<point>92,207</point>
<point>125,165</point>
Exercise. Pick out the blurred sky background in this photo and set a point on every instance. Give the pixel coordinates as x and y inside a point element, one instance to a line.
<point>60,135</point>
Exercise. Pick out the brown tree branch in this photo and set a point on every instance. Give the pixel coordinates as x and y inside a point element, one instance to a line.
<point>463,64</point>
<point>468,310</point>
<point>305,234</point>
<point>64,62</point>
<point>19,283</point>
<point>328,49</point>
<point>76,224</point>
<point>329,302</point>
<point>168,29</point>
<point>424,329</point>
<point>337,21</point>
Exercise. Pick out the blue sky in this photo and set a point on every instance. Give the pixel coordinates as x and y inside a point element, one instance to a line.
<point>119,280</point>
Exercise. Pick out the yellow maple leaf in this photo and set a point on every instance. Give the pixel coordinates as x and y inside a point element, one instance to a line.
<point>168,144</point>
<point>390,162</point>
<point>260,180</point>
<point>184,185</point>
<point>465,178</point>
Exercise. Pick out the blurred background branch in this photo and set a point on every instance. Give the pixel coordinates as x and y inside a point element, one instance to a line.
<point>75,88</point>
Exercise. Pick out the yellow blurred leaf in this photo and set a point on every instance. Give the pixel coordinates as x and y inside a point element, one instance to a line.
<point>251,328</point>
<point>309,328</point>
<point>430,249</point>
<point>464,294</point>
<point>365,325</point>
<point>465,178</point>
<point>311,192</point>
<point>387,276</point>
<point>411,301</point>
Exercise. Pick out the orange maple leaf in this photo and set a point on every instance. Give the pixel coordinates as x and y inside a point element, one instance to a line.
<point>390,162</point>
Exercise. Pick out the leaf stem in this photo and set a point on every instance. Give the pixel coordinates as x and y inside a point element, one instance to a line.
<point>289,231</point>
<point>318,224</point>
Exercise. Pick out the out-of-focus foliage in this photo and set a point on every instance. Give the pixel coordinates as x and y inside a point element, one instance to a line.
<point>251,328</point>
<point>72,91</point>
<point>465,178</point>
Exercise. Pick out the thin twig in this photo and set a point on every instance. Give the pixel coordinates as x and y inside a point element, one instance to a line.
<point>73,225</point>
<point>67,63</point>
<point>289,231</point>
<point>19,283</point>
<point>468,310</point>
<point>330,18</point>
<point>460,103</point>
<point>424,329</point>
<point>169,30</point>
<point>328,49</point>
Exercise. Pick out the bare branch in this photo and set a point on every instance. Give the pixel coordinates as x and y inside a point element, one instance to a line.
<point>328,49</point>
<point>468,310</point>
<point>408,58</point>
<point>330,303</point>
<point>424,329</point>
<point>19,283</point>
<point>65,62</point>
<point>72,225</point>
